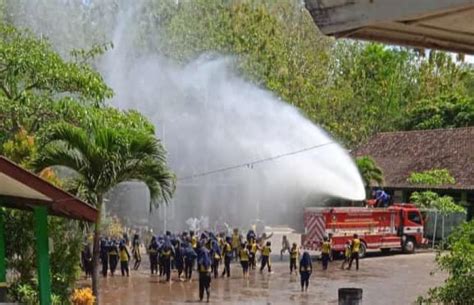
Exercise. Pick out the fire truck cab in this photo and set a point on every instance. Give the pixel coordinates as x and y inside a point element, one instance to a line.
<point>397,226</point>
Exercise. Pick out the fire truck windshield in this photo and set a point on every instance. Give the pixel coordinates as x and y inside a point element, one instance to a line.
<point>414,216</point>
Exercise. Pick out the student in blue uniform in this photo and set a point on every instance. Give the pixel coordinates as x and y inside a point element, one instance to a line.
<point>179,259</point>
<point>216,257</point>
<point>306,267</point>
<point>189,258</point>
<point>153,254</point>
<point>204,269</point>
<point>104,256</point>
<point>166,253</point>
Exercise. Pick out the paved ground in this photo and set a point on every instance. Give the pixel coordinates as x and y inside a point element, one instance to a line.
<point>391,280</point>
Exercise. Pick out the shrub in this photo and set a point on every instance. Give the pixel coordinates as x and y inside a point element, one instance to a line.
<point>83,296</point>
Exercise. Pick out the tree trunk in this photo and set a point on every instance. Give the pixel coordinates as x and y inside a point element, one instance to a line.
<point>96,252</point>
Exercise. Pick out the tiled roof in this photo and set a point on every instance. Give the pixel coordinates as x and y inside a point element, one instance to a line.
<point>402,152</point>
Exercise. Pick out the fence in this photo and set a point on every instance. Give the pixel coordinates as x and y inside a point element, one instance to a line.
<point>439,225</point>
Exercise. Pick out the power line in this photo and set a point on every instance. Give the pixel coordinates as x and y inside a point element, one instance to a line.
<point>252,163</point>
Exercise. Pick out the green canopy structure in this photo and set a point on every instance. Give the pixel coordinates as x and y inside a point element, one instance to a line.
<point>21,189</point>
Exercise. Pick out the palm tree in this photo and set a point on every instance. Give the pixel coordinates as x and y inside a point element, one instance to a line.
<point>103,157</point>
<point>369,171</point>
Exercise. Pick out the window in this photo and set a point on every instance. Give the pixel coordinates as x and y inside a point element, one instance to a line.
<point>414,217</point>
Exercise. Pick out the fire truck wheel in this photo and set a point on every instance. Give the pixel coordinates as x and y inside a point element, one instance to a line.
<point>362,250</point>
<point>409,246</point>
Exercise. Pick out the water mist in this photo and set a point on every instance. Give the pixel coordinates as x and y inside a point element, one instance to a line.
<point>210,118</point>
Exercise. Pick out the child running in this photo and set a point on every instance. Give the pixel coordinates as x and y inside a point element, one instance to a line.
<point>227,253</point>
<point>325,252</point>
<point>136,251</point>
<point>124,258</point>
<point>244,257</point>
<point>216,257</point>
<point>204,268</point>
<point>294,253</point>
<point>153,254</point>
<point>306,267</point>
<point>266,250</point>
<point>113,257</point>
<point>253,248</point>
<point>347,254</point>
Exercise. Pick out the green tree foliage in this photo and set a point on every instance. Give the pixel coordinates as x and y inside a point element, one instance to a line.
<point>444,111</point>
<point>104,156</point>
<point>275,43</point>
<point>33,78</point>
<point>458,263</point>
<point>433,177</point>
<point>429,199</point>
<point>369,171</point>
<point>352,89</point>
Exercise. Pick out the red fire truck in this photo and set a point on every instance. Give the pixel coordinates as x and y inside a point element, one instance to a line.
<point>398,226</point>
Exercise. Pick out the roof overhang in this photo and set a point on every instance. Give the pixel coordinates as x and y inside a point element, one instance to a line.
<point>435,24</point>
<point>21,189</point>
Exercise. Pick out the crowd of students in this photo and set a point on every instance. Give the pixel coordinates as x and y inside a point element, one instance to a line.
<point>209,251</point>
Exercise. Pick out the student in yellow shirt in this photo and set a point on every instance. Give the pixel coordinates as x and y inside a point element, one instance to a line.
<point>253,248</point>
<point>244,256</point>
<point>347,254</point>
<point>266,250</point>
<point>325,252</point>
<point>124,258</point>
<point>113,257</point>
<point>355,251</point>
<point>294,253</point>
<point>227,253</point>
<point>236,241</point>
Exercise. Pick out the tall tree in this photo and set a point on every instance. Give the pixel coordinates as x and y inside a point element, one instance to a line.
<point>103,157</point>
<point>369,171</point>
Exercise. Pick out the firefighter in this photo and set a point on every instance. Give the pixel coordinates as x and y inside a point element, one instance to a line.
<point>355,247</point>
<point>227,253</point>
<point>113,257</point>
<point>285,246</point>
<point>266,250</point>
<point>204,269</point>
<point>153,255</point>
<point>136,251</point>
<point>325,252</point>
<point>124,258</point>
<point>382,199</point>
<point>294,253</point>
<point>244,257</point>
<point>306,267</point>
<point>347,254</point>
